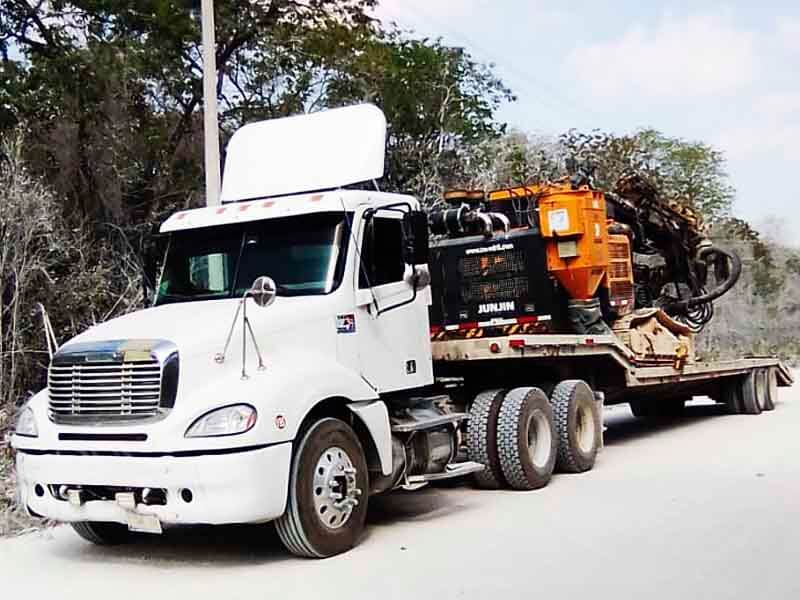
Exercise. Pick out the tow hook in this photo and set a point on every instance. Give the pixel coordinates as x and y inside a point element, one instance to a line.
<point>74,496</point>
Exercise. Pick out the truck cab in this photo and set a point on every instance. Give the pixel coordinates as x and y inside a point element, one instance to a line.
<point>202,408</point>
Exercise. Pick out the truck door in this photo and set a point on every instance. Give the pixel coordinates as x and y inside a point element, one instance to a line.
<point>393,331</point>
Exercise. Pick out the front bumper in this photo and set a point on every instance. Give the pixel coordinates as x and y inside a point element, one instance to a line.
<point>248,486</point>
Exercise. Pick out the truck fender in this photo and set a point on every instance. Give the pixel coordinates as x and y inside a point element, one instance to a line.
<point>375,417</point>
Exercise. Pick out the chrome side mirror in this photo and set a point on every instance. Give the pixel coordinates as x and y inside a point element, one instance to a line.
<point>263,291</point>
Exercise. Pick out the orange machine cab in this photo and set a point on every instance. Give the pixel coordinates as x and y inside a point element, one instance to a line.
<point>574,223</point>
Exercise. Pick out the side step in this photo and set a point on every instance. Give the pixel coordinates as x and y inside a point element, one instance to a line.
<point>451,471</point>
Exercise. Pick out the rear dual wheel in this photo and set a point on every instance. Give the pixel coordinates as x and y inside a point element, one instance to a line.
<point>526,439</point>
<point>521,436</point>
<point>513,435</point>
<point>482,438</point>
<point>578,425</point>
<point>752,393</point>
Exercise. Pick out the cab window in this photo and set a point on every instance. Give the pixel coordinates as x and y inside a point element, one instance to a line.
<point>382,253</point>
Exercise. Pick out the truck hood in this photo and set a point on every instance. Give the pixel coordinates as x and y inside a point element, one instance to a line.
<point>200,328</point>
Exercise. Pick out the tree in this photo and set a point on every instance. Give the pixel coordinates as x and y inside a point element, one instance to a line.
<point>82,280</point>
<point>439,102</point>
<point>110,90</point>
<point>692,173</point>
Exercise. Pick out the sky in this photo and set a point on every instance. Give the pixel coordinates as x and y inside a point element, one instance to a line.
<point>725,73</point>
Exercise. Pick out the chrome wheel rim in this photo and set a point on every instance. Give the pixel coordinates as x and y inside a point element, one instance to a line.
<point>539,439</point>
<point>335,490</point>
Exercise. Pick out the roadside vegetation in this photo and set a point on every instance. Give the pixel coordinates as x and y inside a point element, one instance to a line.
<point>101,128</point>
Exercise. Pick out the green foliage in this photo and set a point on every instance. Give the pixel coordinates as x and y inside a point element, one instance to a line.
<point>111,92</point>
<point>438,101</point>
<point>692,173</point>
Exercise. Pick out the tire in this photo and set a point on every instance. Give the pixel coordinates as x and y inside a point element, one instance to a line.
<point>482,438</point>
<point>577,426</point>
<point>772,389</point>
<point>764,390</point>
<point>103,534</point>
<point>328,459</point>
<point>731,396</point>
<point>526,439</point>
<point>748,395</point>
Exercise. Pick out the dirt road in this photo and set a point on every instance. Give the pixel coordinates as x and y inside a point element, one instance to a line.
<point>707,506</point>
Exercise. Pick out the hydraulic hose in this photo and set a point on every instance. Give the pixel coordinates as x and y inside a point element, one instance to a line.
<point>683,306</point>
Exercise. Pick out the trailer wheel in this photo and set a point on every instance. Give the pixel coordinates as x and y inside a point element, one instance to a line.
<point>103,534</point>
<point>772,388</point>
<point>731,396</point>
<point>577,425</point>
<point>526,439</point>
<point>748,394</point>
<point>482,438</point>
<point>327,500</point>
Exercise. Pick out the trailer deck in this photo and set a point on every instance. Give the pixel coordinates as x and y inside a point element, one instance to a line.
<point>638,374</point>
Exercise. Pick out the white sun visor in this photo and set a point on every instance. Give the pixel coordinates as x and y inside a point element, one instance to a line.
<point>319,151</point>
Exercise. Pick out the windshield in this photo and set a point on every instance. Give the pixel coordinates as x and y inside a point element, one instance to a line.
<point>303,254</point>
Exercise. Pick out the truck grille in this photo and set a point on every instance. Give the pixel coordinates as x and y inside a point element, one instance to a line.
<point>123,390</point>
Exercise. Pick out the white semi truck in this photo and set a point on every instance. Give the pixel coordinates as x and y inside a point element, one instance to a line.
<point>289,367</point>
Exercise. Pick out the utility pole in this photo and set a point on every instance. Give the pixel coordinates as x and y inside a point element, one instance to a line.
<point>210,118</point>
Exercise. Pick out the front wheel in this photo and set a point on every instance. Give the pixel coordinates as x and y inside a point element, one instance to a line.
<point>328,487</point>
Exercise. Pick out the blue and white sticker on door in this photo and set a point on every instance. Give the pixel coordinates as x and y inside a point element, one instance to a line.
<point>345,324</point>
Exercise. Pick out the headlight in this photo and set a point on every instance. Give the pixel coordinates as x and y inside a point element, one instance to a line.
<point>26,423</point>
<point>231,420</point>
